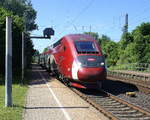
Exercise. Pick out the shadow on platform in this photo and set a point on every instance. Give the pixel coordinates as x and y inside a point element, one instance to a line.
<point>57,107</point>
<point>37,75</point>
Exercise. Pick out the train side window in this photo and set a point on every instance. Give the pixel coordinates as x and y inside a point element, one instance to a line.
<point>64,48</point>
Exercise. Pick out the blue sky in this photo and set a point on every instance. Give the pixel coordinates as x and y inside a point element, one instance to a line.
<point>76,16</point>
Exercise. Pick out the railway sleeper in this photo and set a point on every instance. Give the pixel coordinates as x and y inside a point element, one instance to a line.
<point>118,109</point>
<point>110,102</point>
<point>95,97</point>
<point>136,115</point>
<point>126,112</point>
<point>101,98</point>
<point>110,106</point>
<point>104,101</point>
<point>142,118</point>
<point>108,99</point>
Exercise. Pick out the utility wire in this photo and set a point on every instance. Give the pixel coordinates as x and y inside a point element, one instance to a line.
<point>70,22</point>
<point>82,11</point>
<point>139,15</point>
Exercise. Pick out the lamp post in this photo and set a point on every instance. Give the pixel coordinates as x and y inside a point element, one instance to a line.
<point>8,63</point>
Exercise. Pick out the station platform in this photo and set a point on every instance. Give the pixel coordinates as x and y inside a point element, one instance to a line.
<point>49,99</point>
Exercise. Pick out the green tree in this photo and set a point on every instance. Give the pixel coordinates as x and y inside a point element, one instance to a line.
<point>45,49</point>
<point>17,27</point>
<point>16,9</point>
<point>29,51</point>
<point>22,8</point>
<point>126,39</point>
<point>141,37</point>
<point>128,55</point>
<point>110,50</point>
<point>144,29</point>
<point>146,57</point>
<point>23,14</point>
<point>36,52</point>
<point>104,39</point>
<point>134,47</point>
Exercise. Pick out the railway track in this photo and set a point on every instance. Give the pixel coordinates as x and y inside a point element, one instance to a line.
<point>142,82</point>
<point>113,107</point>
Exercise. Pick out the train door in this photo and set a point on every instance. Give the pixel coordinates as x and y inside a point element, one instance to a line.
<point>65,60</point>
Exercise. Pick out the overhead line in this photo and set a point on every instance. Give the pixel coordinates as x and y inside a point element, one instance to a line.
<point>79,14</point>
<point>82,11</point>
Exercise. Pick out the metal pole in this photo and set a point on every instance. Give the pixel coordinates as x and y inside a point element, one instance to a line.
<point>125,29</point>
<point>83,29</point>
<point>22,57</point>
<point>8,63</point>
<point>126,23</point>
<point>90,29</point>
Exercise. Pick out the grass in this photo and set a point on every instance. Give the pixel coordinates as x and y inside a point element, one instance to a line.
<point>18,99</point>
<point>132,67</point>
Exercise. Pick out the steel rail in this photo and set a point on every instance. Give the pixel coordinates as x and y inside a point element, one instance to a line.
<point>145,115</point>
<point>128,104</point>
<point>95,105</point>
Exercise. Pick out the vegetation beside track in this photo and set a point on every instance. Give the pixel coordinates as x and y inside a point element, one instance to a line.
<point>139,67</point>
<point>18,99</point>
<point>15,112</point>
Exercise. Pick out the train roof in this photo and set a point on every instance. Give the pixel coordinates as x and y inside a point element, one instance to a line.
<point>79,37</point>
<point>74,37</point>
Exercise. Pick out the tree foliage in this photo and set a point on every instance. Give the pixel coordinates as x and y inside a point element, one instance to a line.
<point>22,8</point>
<point>109,49</point>
<point>36,52</point>
<point>45,49</point>
<point>16,9</point>
<point>17,27</point>
<point>134,47</point>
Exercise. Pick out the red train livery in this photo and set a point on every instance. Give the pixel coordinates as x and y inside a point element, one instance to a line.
<point>77,60</point>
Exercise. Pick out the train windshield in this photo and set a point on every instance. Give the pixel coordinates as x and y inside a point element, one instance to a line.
<point>85,47</point>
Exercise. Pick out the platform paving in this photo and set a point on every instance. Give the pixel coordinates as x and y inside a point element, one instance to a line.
<point>49,99</point>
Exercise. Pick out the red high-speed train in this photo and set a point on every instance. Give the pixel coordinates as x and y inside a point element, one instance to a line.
<point>77,60</point>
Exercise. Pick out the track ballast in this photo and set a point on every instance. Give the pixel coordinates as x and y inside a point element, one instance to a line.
<point>112,106</point>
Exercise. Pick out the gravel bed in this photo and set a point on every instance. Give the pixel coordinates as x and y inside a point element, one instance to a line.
<point>119,89</point>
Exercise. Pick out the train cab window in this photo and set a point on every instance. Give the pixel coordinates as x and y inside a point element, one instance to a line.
<point>85,47</point>
<point>57,43</point>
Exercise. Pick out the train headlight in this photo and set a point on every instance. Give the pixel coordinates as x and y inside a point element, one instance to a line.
<point>102,63</point>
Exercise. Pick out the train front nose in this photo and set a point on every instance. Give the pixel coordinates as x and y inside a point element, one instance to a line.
<point>91,74</point>
<point>89,68</point>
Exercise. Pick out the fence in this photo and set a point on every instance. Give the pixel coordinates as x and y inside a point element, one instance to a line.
<point>142,67</point>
